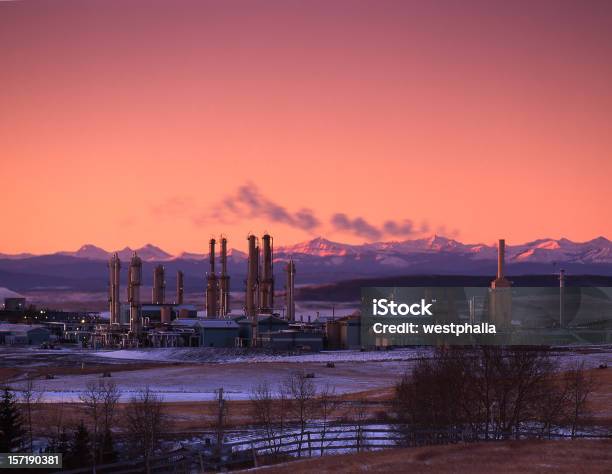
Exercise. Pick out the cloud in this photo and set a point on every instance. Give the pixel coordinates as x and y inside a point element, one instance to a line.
<point>357,226</point>
<point>173,206</point>
<point>403,228</point>
<point>248,202</point>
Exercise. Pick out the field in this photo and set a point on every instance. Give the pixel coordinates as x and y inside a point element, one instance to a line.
<point>579,456</point>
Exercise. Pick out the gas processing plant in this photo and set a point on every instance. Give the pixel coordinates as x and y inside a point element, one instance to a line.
<point>169,322</point>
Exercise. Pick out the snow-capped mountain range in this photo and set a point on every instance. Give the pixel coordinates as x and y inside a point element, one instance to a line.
<point>598,250</point>
<point>318,261</point>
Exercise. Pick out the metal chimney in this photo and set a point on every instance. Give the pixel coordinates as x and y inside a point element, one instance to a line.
<point>501,255</point>
<point>562,298</point>
<point>114,266</point>
<point>179,287</point>
<point>266,284</point>
<point>251,285</point>
<point>211,288</point>
<point>135,275</point>
<point>290,269</point>
<point>159,285</point>
<point>224,281</point>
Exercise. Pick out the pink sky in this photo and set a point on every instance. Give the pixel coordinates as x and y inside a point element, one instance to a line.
<point>126,122</point>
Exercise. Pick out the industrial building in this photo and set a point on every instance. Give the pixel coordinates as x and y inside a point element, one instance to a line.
<point>23,334</point>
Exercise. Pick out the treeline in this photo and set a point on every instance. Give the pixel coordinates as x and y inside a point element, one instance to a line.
<point>491,393</point>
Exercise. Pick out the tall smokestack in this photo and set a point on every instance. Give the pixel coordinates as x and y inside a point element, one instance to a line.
<point>135,276</point>
<point>501,256</point>
<point>266,283</point>
<point>251,286</point>
<point>290,269</point>
<point>224,281</point>
<point>179,287</point>
<point>159,285</point>
<point>562,298</point>
<point>211,289</point>
<point>114,266</point>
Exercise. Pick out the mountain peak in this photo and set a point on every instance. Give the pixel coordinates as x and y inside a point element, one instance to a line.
<point>319,246</point>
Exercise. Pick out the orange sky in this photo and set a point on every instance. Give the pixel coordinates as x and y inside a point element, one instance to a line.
<point>126,122</point>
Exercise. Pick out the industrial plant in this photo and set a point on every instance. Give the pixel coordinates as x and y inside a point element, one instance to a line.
<point>169,322</point>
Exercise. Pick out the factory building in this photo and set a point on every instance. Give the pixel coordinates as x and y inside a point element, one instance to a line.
<point>23,334</point>
<point>14,304</point>
<point>293,340</point>
<point>213,332</point>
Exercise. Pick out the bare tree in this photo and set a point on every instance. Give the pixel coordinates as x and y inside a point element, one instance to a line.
<point>110,397</point>
<point>485,392</point>
<point>92,399</point>
<point>301,390</point>
<point>359,415</point>
<point>30,398</point>
<point>328,404</point>
<point>264,413</point>
<point>579,384</point>
<point>145,422</point>
<point>55,426</point>
<point>221,420</point>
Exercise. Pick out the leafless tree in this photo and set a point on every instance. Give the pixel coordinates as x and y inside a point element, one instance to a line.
<point>485,392</point>
<point>54,423</point>
<point>579,384</point>
<point>145,422</point>
<point>30,398</point>
<point>92,399</point>
<point>110,397</point>
<point>327,406</point>
<point>301,392</point>
<point>221,420</point>
<point>264,412</point>
<point>359,415</point>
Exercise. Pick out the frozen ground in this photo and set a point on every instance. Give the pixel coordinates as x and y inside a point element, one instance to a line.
<point>199,382</point>
<point>231,356</point>
<point>193,374</point>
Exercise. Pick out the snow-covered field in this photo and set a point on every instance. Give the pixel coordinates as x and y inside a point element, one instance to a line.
<point>196,373</point>
<point>198,382</point>
<point>231,356</point>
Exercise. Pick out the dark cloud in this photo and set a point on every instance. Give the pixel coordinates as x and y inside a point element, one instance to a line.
<point>402,229</point>
<point>249,202</point>
<point>358,226</point>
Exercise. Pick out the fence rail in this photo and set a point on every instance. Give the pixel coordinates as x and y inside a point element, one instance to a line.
<point>249,451</point>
